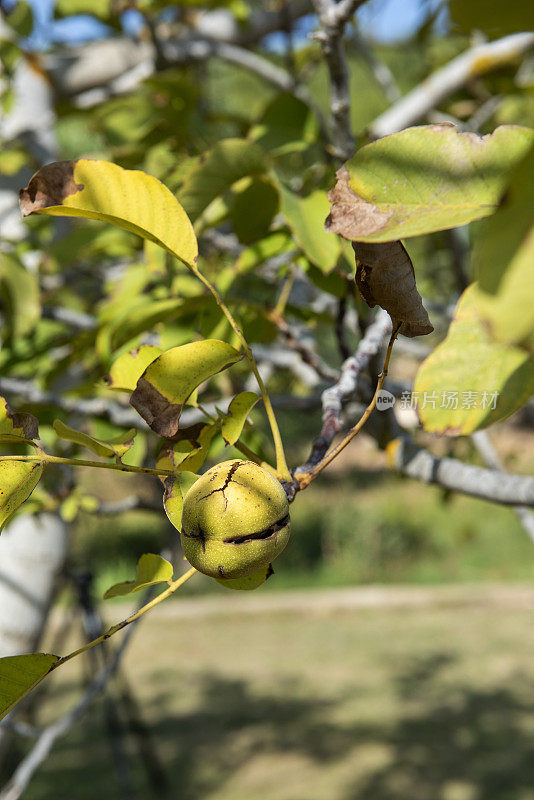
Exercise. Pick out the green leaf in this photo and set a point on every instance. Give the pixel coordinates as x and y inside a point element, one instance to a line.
<point>129,199</point>
<point>273,244</point>
<point>129,367</point>
<point>253,210</point>
<point>216,171</point>
<point>117,446</point>
<point>188,449</point>
<point>305,216</point>
<point>232,423</point>
<point>97,8</point>
<point>423,179</point>
<point>168,381</point>
<point>21,18</point>
<point>173,497</point>
<point>23,296</point>
<point>151,569</point>
<point>493,17</point>
<point>502,257</point>
<point>18,479</point>
<point>19,424</point>
<point>197,457</point>
<point>18,676</point>
<point>12,159</point>
<point>286,121</point>
<point>470,382</point>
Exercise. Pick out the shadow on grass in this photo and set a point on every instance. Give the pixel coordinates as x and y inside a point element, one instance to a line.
<point>450,742</point>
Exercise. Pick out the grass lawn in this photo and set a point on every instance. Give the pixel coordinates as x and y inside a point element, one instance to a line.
<point>429,703</point>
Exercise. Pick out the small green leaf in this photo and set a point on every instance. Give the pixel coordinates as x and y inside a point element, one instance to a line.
<point>253,210</point>
<point>232,423</point>
<point>98,8</point>
<point>19,424</point>
<point>117,446</point>
<point>174,451</point>
<point>129,199</point>
<point>151,569</point>
<point>271,245</point>
<point>216,171</point>
<point>286,122</point>
<point>21,18</point>
<point>469,381</point>
<point>188,449</point>
<point>423,179</point>
<point>12,159</point>
<point>129,367</point>
<point>18,676</point>
<point>168,381</point>
<point>18,479</point>
<point>305,216</point>
<point>502,257</point>
<point>493,17</point>
<point>23,296</point>
<point>173,497</point>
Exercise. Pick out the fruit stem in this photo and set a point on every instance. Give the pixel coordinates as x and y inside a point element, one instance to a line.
<point>78,462</point>
<point>281,464</point>
<point>173,586</point>
<point>306,478</point>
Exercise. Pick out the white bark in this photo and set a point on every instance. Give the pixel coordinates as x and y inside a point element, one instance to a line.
<point>480,59</point>
<point>32,552</point>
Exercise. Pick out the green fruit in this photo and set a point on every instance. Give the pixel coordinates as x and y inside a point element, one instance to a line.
<point>249,582</point>
<point>235,520</point>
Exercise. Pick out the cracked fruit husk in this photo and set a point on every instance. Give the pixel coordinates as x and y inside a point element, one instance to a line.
<point>235,520</point>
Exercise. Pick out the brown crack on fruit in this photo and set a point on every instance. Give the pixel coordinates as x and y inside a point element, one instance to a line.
<point>269,532</point>
<point>49,187</point>
<point>231,472</point>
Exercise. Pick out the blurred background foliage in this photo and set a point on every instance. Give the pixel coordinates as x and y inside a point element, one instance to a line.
<point>250,164</point>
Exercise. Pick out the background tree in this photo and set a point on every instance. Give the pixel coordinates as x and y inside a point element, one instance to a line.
<point>247,120</point>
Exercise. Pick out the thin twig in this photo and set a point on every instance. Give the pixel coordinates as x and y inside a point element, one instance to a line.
<point>334,397</point>
<point>296,344</point>
<point>305,479</point>
<point>489,454</point>
<point>445,81</point>
<point>333,18</point>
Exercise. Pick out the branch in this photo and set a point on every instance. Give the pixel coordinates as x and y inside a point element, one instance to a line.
<point>99,64</point>
<point>298,345</point>
<point>474,62</point>
<point>334,397</point>
<point>381,72</point>
<point>449,473</point>
<point>332,20</point>
<point>76,319</point>
<point>489,454</point>
<point>98,407</point>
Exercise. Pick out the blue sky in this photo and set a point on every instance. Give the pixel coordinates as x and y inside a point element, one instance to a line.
<point>383,20</point>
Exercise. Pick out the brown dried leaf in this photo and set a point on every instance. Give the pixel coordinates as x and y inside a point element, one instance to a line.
<point>385,277</point>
